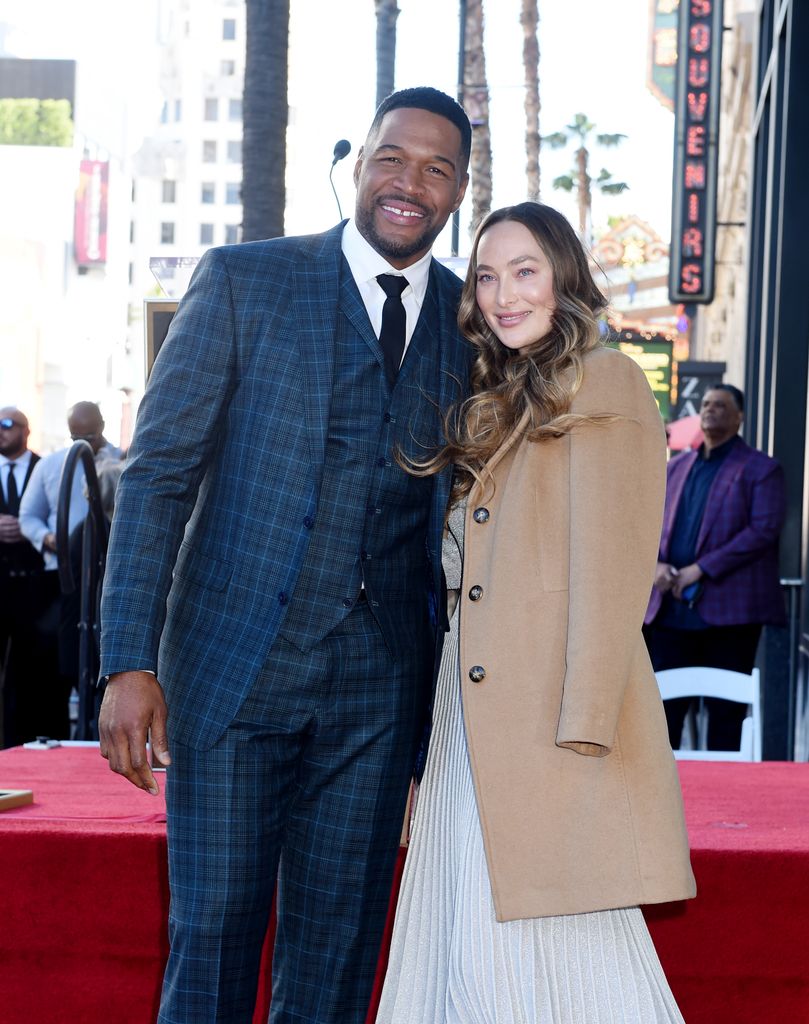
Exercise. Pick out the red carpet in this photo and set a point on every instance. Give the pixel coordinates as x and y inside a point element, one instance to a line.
<point>84,901</point>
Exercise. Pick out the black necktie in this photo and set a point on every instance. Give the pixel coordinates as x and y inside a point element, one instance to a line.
<point>394,320</point>
<point>13,500</point>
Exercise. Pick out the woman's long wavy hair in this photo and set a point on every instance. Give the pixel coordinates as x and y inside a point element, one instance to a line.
<point>540,381</point>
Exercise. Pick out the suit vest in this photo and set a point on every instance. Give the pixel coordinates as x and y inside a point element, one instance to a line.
<point>21,558</point>
<point>370,528</point>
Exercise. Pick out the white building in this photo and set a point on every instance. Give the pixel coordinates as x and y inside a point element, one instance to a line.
<point>186,186</point>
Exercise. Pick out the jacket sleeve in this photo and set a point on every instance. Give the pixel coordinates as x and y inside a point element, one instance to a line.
<point>617,488</point>
<point>181,415</point>
<point>35,508</point>
<point>767,509</point>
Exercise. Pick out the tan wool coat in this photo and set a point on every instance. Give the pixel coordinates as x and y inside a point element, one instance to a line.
<point>577,788</point>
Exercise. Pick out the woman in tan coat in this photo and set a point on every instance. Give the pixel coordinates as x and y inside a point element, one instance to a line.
<point>550,807</point>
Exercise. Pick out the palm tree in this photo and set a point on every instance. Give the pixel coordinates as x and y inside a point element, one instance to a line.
<point>578,178</point>
<point>265,114</point>
<point>529,19</point>
<point>476,103</point>
<point>387,11</point>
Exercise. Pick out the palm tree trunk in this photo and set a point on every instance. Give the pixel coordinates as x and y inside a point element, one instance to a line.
<point>529,19</point>
<point>387,12</point>
<point>476,102</point>
<point>584,197</point>
<point>265,119</point>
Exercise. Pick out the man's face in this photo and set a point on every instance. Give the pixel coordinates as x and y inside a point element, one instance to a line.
<point>719,415</point>
<point>87,426</point>
<point>13,433</point>
<point>410,177</point>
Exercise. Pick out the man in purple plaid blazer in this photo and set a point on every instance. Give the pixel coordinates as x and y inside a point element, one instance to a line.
<point>717,580</point>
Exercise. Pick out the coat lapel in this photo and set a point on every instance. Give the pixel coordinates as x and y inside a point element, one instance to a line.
<point>727,474</point>
<point>676,482</point>
<point>317,285</point>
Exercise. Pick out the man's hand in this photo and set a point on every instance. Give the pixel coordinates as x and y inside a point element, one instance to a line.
<point>49,542</point>
<point>665,576</point>
<point>687,575</point>
<point>133,704</point>
<point>10,532</point>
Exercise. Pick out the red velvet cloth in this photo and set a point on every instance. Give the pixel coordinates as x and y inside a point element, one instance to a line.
<point>84,899</point>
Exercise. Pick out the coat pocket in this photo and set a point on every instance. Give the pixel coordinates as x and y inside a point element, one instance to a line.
<point>204,570</point>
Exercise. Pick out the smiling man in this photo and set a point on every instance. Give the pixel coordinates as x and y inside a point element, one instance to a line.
<point>273,599</point>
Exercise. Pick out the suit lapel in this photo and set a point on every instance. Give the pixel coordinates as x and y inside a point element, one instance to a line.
<point>317,284</point>
<point>352,306</point>
<point>727,474</point>
<point>31,463</point>
<point>676,482</point>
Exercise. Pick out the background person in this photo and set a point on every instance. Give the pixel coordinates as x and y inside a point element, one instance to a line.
<point>273,564</point>
<point>24,663</point>
<point>38,512</point>
<point>717,580</point>
<point>550,805</point>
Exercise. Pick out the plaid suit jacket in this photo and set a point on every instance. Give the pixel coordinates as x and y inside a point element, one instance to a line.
<point>737,546</point>
<point>224,473</point>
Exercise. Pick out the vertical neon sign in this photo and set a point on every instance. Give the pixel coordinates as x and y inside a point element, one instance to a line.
<point>696,141</point>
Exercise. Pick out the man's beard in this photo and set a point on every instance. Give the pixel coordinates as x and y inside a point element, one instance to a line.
<point>390,249</point>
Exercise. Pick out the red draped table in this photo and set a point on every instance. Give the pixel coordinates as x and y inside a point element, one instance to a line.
<point>85,896</point>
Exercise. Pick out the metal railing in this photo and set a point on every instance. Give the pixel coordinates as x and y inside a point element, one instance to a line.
<point>93,559</point>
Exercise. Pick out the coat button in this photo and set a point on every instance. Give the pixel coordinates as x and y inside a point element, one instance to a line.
<point>476,593</point>
<point>477,673</point>
<point>308,522</point>
<point>283,598</point>
<point>481,515</point>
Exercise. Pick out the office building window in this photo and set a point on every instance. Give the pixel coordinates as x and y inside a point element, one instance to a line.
<point>211,110</point>
<point>131,272</point>
<point>133,190</point>
<point>229,28</point>
<point>235,151</point>
<point>206,234</point>
<point>231,234</point>
<point>166,233</point>
<point>233,192</point>
<point>209,151</point>
<point>228,68</point>
<point>132,231</point>
<point>169,191</point>
<point>208,192</point>
<point>164,113</point>
<point>178,110</point>
<point>235,110</point>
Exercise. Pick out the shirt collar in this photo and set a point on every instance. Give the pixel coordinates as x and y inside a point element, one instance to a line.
<point>21,460</point>
<point>367,264</point>
<point>719,452</point>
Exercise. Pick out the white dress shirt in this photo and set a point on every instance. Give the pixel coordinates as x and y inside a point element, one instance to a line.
<point>366,265</point>
<point>20,465</point>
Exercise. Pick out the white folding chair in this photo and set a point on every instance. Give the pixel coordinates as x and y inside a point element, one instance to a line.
<point>699,681</point>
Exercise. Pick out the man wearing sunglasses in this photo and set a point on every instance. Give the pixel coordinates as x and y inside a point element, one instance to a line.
<point>21,583</point>
<point>38,509</point>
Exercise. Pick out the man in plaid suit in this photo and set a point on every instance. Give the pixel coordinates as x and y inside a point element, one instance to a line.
<point>717,580</point>
<point>277,571</point>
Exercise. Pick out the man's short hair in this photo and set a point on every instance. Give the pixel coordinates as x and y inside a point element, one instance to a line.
<point>735,393</point>
<point>424,97</point>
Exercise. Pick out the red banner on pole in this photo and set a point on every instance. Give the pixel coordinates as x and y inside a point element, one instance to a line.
<point>90,223</point>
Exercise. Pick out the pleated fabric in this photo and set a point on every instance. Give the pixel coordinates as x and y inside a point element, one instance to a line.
<point>452,962</point>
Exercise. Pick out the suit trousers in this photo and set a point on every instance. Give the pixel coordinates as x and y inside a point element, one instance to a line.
<point>307,786</point>
<point>730,647</point>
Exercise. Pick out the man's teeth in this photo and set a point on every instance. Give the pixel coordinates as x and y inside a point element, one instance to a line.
<point>403,213</point>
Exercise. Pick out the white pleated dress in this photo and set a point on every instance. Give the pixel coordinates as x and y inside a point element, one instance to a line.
<point>451,961</point>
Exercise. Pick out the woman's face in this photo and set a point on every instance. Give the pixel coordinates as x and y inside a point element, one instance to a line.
<point>514,288</point>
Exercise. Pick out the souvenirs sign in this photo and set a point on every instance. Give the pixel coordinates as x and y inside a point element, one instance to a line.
<point>696,137</point>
